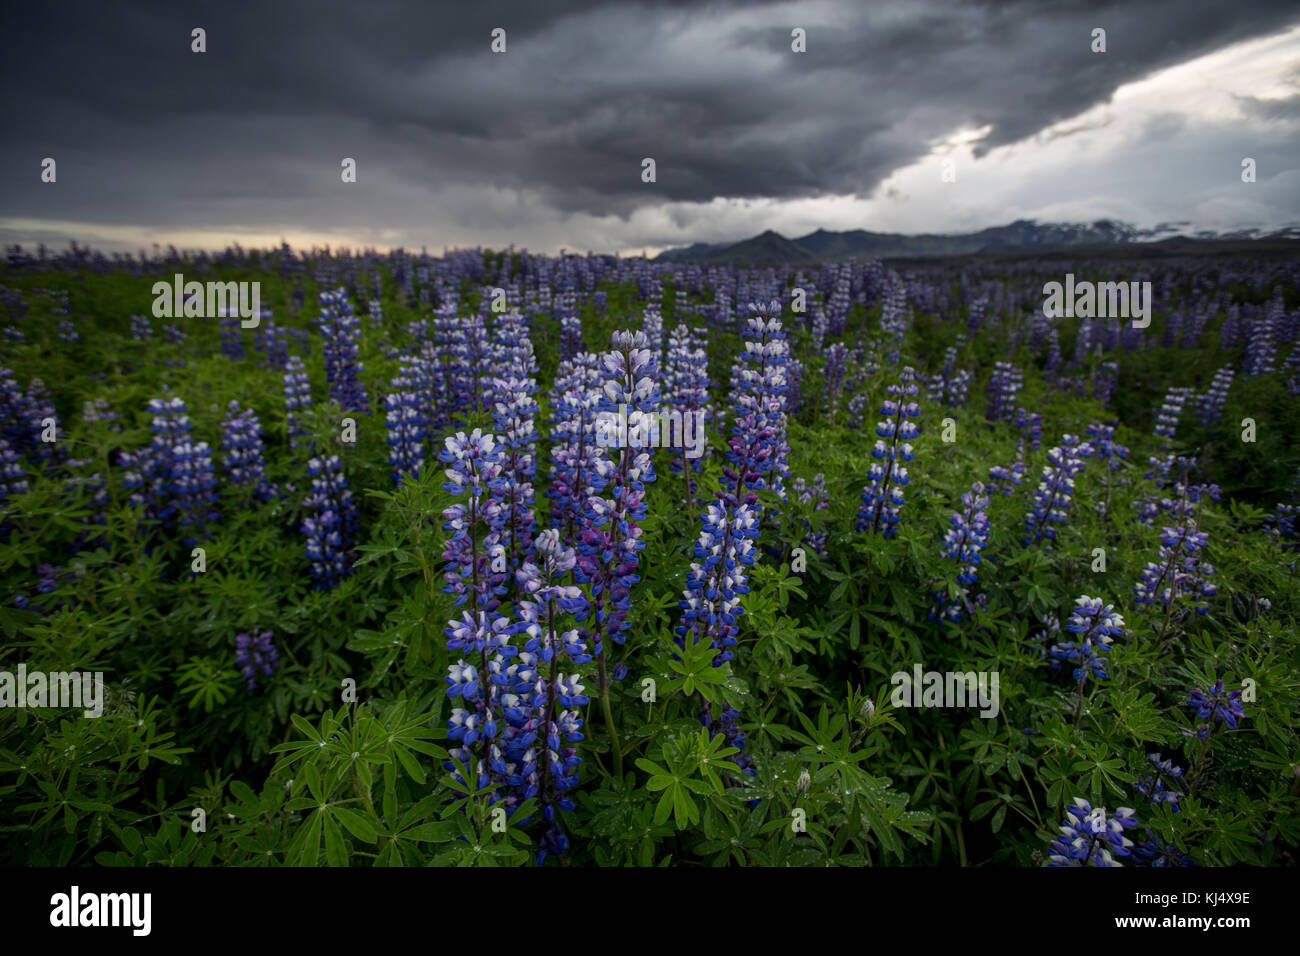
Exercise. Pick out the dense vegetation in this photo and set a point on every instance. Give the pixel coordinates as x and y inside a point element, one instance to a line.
<point>296,553</point>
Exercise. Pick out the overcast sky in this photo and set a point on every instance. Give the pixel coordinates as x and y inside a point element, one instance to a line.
<point>542,145</point>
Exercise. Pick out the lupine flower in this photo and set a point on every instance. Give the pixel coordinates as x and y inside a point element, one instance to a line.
<point>1097,626</point>
<point>544,708</point>
<point>1170,412</point>
<point>609,542</point>
<point>962,543</point>
<point>1055,492</point>
<point>834,375</point>
<point>340,332</point>
<point>68,332</point>
<point>1260,350</point>
<point>1101,443</point>
<point>883,497</point>
<point>141,329</point>
<point>513,415</point>
<point>13,476</point>
<point>475,473</point>
<point>232,339</point>
<point>242,440</point>
<point>1107,382</point>
<point>757,455</point>
<point>1216,396</point>
<point>1220,706</point>
<point>332,526</point>
<point>1154,787</point>
<point>1031,423</point>
<point>1089,837</point>
<point>407,431</point>
<point>297,401</point>
<point>255,654</point>
<point>1004,385</point>
<point>1179,571</point>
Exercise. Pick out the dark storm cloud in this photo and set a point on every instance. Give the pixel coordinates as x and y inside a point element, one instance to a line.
<point>251,133</point>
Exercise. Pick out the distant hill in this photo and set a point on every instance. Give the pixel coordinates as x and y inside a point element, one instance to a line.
<point>1023,236</point>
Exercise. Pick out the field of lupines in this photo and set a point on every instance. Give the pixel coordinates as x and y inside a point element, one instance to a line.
<point>375,583</point>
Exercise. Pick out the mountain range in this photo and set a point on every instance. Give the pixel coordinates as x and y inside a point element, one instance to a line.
<point>1025,235</point>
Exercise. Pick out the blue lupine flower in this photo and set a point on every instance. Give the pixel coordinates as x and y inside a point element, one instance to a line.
<point>297,401</point>
<point>964,540</point>
<point>255,654</point>
<point>1090,837</point>
<point>513,413</point>
<point>1004,384</point>
<point>1179,572</point>
<point>542,707</point>
<point>475,473</point>
<point>341,331</point>
<point>1097,625</point>
<point>407,431</point>
<point>1055,493</point>
<point>1216,396</point>
<point>883,497</point>
<point>242,441</point>
<point>1155,788</point>
<point>609,541</point>
<point>1220,706</point>
<point>1171,410</point>
<point>332,526</point>
<point>575,401</point>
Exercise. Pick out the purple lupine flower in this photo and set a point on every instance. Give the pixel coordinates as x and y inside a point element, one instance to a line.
<point>513,413</point>
<point>965,538</point>
<point>273,342</point>
<point>141,329</point>
<point>1101,442</point>
<point>1155,788</point>
<point>1260,350</point>
<point>332,526</point>
<point>686,388</point>
<point>758,453</point>
<point>1219,705</point>
<point>883,497</point>
<point>340,333</point>
<point>1179,572</point>
<point>575,401</point>
<point>255,654</point>
<point>242,440</point>
<point>68,333</point>
<point>834,375</point>
<point>1031,423</point>
<point>488,674</point>
<point>474,473</point>
<point>1090,837</point>
<point>544,708</point>
<point>408,429</point>
<point>570,335</point>
<point>1097,625</point>
<point>297,402</point>
<point>13,476</point>
<point>1004,385</point>
<point>1216,396</point>
<point>609,542</point>
<point>1055,493</point>
<point>1171,410</point>
<point>1007,479</point>
<point>232,338</point>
